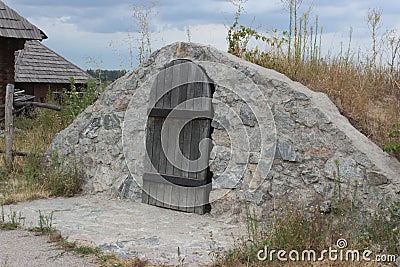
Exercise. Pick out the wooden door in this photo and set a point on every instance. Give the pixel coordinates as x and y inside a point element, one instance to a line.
<point>179,122</point>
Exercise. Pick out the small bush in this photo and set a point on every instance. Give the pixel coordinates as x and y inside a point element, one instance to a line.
<point>76,100</point>
<point>394,145</point>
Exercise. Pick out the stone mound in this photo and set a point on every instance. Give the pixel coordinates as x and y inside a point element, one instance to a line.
<point>274,140</point>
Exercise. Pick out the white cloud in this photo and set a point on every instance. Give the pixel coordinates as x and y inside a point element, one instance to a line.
<point>76,45</point>
<point>209,34</point>
<point>79,30</point>
<point>112,49</point>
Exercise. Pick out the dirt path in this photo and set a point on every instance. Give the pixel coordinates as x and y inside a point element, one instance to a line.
<point>125,228</point>
<point>23,248</point>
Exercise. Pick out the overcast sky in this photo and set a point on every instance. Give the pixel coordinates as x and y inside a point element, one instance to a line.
<point>96,33</point>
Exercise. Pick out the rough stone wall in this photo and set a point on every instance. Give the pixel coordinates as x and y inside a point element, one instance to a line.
<point>274,139</point>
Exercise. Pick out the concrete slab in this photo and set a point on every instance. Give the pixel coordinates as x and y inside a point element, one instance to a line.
<point>131,229</point>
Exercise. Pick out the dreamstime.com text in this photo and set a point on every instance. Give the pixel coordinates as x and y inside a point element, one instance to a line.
<point>339,253</point>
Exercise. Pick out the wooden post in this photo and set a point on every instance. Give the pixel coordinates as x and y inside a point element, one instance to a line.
<point>9,124</point>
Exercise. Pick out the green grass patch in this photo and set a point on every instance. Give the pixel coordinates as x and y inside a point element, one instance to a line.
<point>32,177</point>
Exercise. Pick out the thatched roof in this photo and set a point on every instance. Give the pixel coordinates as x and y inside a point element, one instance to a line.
<point>12,25</point>
<point>39,64</point>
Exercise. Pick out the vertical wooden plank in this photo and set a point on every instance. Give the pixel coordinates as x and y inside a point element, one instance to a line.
<point>171,146</point>
<point>183,196</point>
<point>175,197</point>
<point>167,104</point>
<point>175,140</point>
<point>204,132</point>
<point>205,126</point>
<point>167,195</point>
<point>199,200</point>
<point>206,104</point>
<point>162,168</point>
<point>153,93</point>
<point>146,190</point>
<point>187,135</point>
<point>166,88</point>
<point>170,149</point>
<point>175,82</point>
<point>9,125</point>
<point>149,145</point>
<point>194,148</point>
<point>198,89</point>
<point>159,90</point>
<point>190,86</point>
<point>152,193</point>
<point>191,199</point>
<point>190,91</point>
<point>183,93</point>
<point>174,102</point>
<point>183,80</point>
<point>160,194</point>
<point>183,143</point>
<point>156,143</point>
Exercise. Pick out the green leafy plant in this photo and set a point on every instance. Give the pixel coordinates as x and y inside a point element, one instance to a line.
<point>86,250</point>
<point>76,100</point>
<point>12,222</point>
<point>45,223</point>
<point>383,227</point>
<point>239,36</point>
<point>181,258</point>
<point>394,146</point>
<point>54,178</point>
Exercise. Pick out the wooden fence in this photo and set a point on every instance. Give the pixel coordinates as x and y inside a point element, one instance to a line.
<point>10,108</point>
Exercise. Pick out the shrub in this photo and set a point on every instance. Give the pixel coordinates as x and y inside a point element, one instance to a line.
<point>76,100</point>
<point>394,145</point>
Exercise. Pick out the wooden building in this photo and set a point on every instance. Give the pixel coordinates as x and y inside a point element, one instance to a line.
<point>14,31</point>
<point>39,70</point>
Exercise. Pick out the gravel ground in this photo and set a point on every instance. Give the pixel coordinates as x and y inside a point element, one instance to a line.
<point>22,248</point>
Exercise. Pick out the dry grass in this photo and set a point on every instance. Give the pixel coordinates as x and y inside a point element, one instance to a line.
<point>365,91</point>
<point>368,97</point>
<point>365,86</point>
<point>28,179</point>
<point>17,190</point>
<point>296,230</point>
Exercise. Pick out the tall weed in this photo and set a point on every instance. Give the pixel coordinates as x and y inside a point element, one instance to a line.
<point>30,177</point>
<point>364,86</point>
<point>76,100</point>
<point>297,228</point>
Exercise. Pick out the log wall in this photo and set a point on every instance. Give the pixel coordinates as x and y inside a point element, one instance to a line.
<point>8,46</point>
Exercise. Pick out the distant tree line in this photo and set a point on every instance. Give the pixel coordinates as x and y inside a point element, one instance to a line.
<point>106,76</point>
